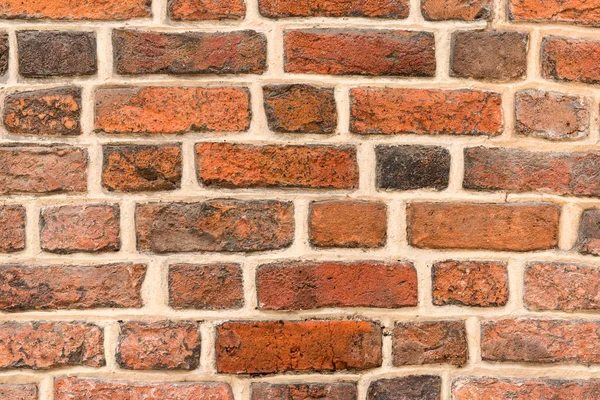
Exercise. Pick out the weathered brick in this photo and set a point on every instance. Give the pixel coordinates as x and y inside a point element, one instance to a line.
<point>582,12</point>
<point>394,9</point>
<point>58,287</point>
<point>148,52</point>
<point>500,227</point>
<point>81,10</point>
<point>138,168</point>
<point>44,54</point>
<point>206,287</point>
<point>489,55</point>
<point>351,224</point>
<point>462,10</point>
<point>94,389</point>
<point>588,241</point>
<point>304,391</point>
<point>87,228</point>
<point>42,169</point>
<point>4,52</point>
<point>44,112</point>
<point>390,111</point>
<point>172,109</point>
<point>161,345</point>
<point>359,52</point>
<point>44,345</point>
<point>300,109</point>
<point>278,346</point>
<point>517,170</point>
<point>470,283</point>
<point>552,115</point>
<point>233,165</point>
<point>18,392</point>
<point>205,10</point>
<point>215,225</point>
<point>412,167</point>
<point>558,54</point>
<point>12,228</point>
<point>310,285</point>
<point>411,387</point>
<point>436,342</point>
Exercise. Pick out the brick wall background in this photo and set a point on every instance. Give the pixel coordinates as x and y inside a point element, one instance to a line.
<point>292,200</point>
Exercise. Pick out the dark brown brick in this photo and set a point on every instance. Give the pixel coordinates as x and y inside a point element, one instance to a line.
<point>411,387</point>
<point>588,241</point>
<point>4,53</point>
<point>304,391</point>
<point>12,228</point>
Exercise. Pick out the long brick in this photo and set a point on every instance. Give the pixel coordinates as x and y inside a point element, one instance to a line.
<point>18,392</point>
<point>396,9</point>
<point>58,287</point>
<point>304,391</point>
<point>359,52</point>
<point>411,387</point>
<point>461,10</point>
<point>205,10</point>
<point>12,228</point>
<point>500,227</point>
<point>310,285</point>
<point>233,165</point>
<point>582,12</point>
<point>172,109</point>
<point>390,111</point>
<point>215,225</point>
<point>81,10</point>
<point>279,346</point>
<point>148,52</point>
<point>558,54</point>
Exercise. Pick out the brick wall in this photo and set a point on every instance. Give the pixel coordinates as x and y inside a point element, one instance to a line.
<point>297,200</point>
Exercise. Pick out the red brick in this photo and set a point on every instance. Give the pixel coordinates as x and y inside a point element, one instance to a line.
<point>87,228</point>
<point>582,12</point>
<point>395,9</point>
<point>278,346</point>
<point>167,110</point>
<point>215,225</point>
<point>18,392</point>
<point>12,228</point>
<point>44,345</point>
<point>540,341</point>
<point>410,387</point>
<point>353,224</point>
<point>390,111</point>
<point>470,283</point>
<point>462,10</point>
<point>58,287</point>
<point>206,287</point>
<point>162,345</point>
<point>147,52</point>
<point>436,342</point>
<point>588,241</point>
<point>42,169</point>
<point>96,389</point>
<point>205,10</point>
<point>561,286</point>
<point>500,227</point>
<point>359,52</point>
<point>518,171</point>
<point>68,10</point>
<point>137,168</point>
<point>231,165</point>
<point>310,285</point>
<point>304,391</point>
<point>558,54</point>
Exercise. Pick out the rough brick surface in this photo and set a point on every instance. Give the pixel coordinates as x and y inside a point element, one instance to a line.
<point>309,285</point>
<point>570,11</point>
<point>278,346</point>
<point>359,52</point>
<point>68,10</point>
<point>462,10</point>
<point>392,9</point>
<point>204,10</point>
<point>18,392</point>
<point>4,52</point>
<point>588,241</point>
<point>559,53</point>
<point>12,228</point>
<point>412,387</point>
<point>304,391</point>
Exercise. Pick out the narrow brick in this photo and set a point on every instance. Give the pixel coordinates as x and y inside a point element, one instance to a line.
<point>45,345</point>
<point>360,52</point>
<point>436,342</point>
<point>391,111</point>
<point>499,227</point>
<point>489,55</point>
<point>300,109</point>
<point>169,110</point>
<point>161,345</point>
<point>215,225</point>
<point>411,387</point>
<point>558,54</point>
<point>412,167</point>
<point>44,54</point>
<point>206,10</point>
<point>12,228</point>
<point>582,12</point>
<point>89,228</point>
<point>279,346</point>
<point>139,168</point>
<point>41,169</point>
<point>4,52</point>
<point>396,9</point>
<point>588,241</point>
<point>231,165</point>
<point>18,392</point>
<point>206,286</point>
<point>44,112</point>
<point>311,285</point>
<point>350,224</point>
<point>470,283</point>
<point>148,52</point>
<point>461,10</point>
<point>60,287</point>
<point>102,10</point>
<point>304,391</point>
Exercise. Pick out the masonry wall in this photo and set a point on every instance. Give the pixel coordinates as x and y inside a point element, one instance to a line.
<point>282,199</point>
